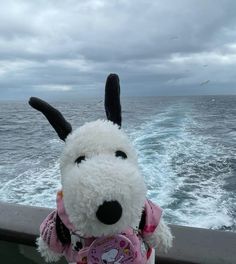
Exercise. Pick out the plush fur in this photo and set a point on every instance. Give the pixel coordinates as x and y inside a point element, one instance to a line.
<point>162,238</point>
<point>100,176</point>
<point>46,252</point>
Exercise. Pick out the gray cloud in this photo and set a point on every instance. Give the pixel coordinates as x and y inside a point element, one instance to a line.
<point>66,48</point>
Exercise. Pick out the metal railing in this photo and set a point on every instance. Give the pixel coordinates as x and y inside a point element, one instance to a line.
<point>19,227</point>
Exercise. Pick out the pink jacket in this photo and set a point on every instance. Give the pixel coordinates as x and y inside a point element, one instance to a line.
<point>59,234</point>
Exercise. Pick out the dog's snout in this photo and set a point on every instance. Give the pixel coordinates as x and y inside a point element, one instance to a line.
<point>109,212</point>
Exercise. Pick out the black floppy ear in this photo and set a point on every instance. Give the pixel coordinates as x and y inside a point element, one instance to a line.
<point>112,99</point>
<point>55,118</point>
<point>142,221</point>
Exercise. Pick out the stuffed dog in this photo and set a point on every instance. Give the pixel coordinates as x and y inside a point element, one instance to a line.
<point>102,214</point>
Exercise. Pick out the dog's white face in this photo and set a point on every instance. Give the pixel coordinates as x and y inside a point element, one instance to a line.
<point>104,192</point>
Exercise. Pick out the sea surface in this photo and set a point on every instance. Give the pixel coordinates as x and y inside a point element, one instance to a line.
<point>186,148</point>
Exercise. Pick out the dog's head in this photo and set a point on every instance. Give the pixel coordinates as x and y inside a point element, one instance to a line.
<point>103,190</point>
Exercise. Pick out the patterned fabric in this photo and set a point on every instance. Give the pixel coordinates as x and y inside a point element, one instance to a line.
<point>55,233</point>
<point>153,215</point>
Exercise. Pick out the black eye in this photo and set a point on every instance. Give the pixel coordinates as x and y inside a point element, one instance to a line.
<point>121,154</point>
<point>79,159</point>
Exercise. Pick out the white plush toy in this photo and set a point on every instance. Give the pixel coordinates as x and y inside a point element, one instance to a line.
<point>102,214</point>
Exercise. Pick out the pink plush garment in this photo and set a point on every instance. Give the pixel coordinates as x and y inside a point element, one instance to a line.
<point>140,250</point>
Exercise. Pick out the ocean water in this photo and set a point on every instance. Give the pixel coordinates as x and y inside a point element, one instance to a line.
<point>186,148</point>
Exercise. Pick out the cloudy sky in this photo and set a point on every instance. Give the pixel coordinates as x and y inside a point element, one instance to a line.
<point>64,49</point>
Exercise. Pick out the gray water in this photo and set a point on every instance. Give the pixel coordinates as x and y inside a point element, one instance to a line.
<point>186,148</point>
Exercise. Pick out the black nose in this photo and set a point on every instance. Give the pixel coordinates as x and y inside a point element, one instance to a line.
<point>109,212</point>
